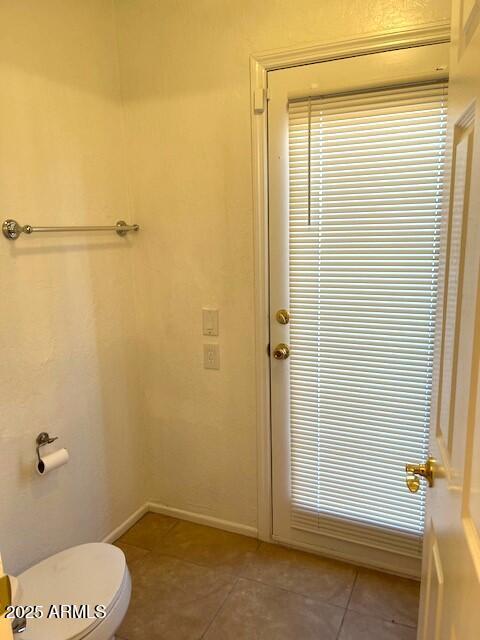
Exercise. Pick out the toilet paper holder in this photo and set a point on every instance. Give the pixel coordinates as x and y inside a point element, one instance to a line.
<point>43,439</point>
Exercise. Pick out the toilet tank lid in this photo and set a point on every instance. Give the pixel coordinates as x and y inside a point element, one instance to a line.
<point>90,574</point>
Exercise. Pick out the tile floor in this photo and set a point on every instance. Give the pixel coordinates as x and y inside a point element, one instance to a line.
<point>192,582</point>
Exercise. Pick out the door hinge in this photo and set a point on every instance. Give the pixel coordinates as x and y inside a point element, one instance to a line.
<point>268,349</point>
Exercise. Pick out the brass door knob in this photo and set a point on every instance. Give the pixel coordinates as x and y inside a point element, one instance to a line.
<point>281,351</point>
<point>424,470</point>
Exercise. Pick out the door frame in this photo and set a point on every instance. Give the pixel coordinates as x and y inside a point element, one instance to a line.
<point>260,64</point>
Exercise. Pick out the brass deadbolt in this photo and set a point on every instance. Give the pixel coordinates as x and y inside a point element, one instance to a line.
<point>282,316</point>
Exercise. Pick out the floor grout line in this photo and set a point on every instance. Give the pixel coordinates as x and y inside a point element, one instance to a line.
<point>160,553</point>
<point>138,546</point>
<point>218,568</point>
<point>236,576</point>
<point>217,612</point>
<point>174,526</point>
<point>347,605</point>
<point>241,573</point>
<point>241,576</point>
<point>129,544</point>
<point>165,553</point>
<point>295,593</point>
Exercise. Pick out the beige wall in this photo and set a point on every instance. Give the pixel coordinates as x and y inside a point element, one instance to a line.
<point>185,75</point>
<point>67,332</point>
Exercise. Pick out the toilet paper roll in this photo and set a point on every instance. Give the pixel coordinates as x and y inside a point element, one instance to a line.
<point>52,461</point>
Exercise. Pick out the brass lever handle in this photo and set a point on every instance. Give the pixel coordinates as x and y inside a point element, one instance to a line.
<point>423,470</point>
<point>281,351</point>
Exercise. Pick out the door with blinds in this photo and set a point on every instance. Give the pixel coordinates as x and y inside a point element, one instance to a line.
<point>357,157</point>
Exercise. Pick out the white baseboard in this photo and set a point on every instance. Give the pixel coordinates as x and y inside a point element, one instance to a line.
<point>155,507</point>
<point>251,532</point>
<point>199,518</point>
<point>126,524</point>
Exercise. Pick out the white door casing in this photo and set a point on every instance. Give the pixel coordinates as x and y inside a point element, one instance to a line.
<point>260,64</point>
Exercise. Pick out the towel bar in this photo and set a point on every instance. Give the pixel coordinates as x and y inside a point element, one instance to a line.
<point>12,229</point>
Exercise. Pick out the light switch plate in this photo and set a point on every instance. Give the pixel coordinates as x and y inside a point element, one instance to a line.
<point>210,322</point>
<point>211,356</point>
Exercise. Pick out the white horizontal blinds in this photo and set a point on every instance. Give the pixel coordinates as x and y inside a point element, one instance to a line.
<point>363,287</point>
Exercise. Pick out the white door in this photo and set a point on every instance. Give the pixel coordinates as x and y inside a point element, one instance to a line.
<point>356,167</point>
<point>450,600</point>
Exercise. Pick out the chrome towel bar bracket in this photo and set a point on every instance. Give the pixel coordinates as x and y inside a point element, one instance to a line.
<point>12,229</point>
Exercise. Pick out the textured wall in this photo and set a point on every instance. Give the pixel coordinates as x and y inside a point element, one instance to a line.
<point>67,331</point>
<point>185,75</point>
